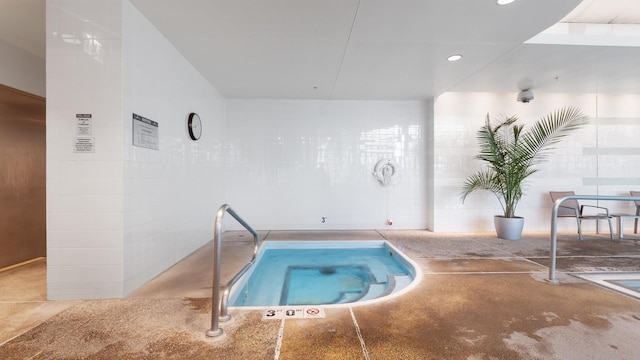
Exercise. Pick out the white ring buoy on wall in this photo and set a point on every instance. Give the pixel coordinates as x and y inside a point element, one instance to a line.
<point>386,172</point>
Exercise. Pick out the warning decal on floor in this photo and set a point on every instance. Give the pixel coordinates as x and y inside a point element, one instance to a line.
<point>293,313</point>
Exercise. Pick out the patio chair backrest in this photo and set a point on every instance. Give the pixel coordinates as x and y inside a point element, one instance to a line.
<point>573,204</point>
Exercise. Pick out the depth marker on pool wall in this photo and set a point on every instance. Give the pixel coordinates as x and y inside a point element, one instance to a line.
<point>293,313</point>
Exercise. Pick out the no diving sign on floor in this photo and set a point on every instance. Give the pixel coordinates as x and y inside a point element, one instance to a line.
<point>293,313</point>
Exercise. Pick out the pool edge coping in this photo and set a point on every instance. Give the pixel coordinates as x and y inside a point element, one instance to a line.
<point>603,279</point>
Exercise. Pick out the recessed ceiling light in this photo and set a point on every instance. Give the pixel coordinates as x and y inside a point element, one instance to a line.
<point>455,57</point>
<point>504,2</point>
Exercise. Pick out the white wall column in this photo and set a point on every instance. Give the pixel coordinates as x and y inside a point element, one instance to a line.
<point>119,214</point>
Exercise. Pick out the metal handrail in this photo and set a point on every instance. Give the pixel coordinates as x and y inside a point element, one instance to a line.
<point>554,225</point>
<point>218,306</point>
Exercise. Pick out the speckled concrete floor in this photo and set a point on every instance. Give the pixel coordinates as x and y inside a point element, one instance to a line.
<point>480,298</point>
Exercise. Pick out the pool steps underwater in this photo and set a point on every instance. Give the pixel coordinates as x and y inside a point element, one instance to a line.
<point>373,291</point>
<point>396,283</point>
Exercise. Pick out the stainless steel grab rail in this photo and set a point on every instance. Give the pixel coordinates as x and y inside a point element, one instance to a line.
<point>554,225</point>
<point>218,306</point>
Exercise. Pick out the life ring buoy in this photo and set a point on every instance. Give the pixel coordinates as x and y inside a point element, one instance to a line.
<point>386,172</point>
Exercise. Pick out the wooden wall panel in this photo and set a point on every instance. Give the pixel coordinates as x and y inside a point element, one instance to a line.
<point>22,176</point>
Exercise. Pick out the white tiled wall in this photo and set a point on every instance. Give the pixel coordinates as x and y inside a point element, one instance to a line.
<point>578,163</point>
<point>121,215</point>
<point>617,149</point>
<point>292,162</point>
<point>84,190</point>
<point>170,195</point>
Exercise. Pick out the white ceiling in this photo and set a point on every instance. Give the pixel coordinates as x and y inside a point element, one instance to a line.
<point>375,49</point>
<point>605,12</point>
<point>22,25</point>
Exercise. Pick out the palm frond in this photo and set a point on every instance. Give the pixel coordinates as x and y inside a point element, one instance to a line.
<point>485,179</point>
<point>510,152</point>
<point>549,130</point>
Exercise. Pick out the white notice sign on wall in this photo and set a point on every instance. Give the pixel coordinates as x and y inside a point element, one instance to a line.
<point>84,124</point>
<point>84,145</point>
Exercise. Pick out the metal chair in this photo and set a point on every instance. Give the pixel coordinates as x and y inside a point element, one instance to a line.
<point>636,194</point>
<point>621,217</point>
<point>572,208</point>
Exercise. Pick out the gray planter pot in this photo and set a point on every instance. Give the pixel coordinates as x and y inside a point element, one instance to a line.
<point>508,228</point>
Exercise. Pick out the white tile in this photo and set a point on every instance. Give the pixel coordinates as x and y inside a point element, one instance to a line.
<point>310,158</point>
<point>571,168</point>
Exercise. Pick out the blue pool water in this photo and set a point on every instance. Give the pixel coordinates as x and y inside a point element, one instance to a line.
<point>629,284</point>
<point>316,273</point>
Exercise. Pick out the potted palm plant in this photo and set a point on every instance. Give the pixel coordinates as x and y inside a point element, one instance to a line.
<point>511,152</point>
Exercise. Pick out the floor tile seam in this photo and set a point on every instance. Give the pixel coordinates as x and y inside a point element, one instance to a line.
<point>607,273</point>
<point>35,326</point>
<point>525,258</point>
<point>537,264</point>
<point>165,298</point>
<point>360,338</point>
<point>280,337</point>
<point>236,241</point>
<point>493,247</point>
<point>541,271</point>
<point>473,258</point>
<point>20,334</point>
<point>585,256</point>
<point>55,341</point>
<point>279,340</point>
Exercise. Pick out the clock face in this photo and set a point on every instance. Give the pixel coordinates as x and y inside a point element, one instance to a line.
<point>195,126</point>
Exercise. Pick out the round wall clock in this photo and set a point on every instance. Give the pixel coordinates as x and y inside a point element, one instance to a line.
<point>195,126</point>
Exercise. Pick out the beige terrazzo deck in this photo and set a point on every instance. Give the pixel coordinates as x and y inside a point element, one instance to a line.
<point>481,298</point>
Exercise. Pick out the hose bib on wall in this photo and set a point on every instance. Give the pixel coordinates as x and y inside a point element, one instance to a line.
<point>386,172</point>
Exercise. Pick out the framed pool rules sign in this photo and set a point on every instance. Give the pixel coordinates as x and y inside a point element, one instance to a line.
<point>145,132</point>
